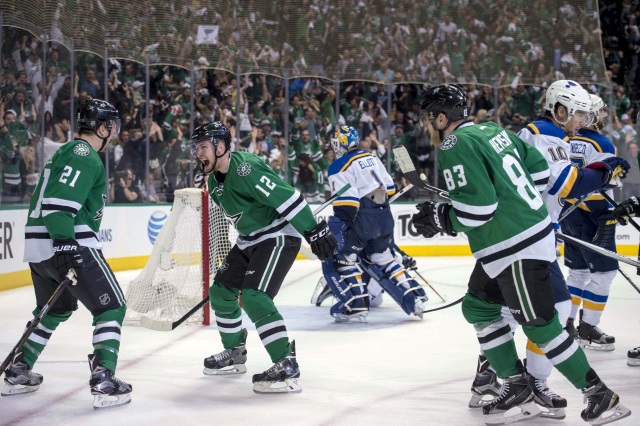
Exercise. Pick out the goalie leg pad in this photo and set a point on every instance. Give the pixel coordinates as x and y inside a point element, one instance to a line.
<point>345,280</point>
<point>401,287</point>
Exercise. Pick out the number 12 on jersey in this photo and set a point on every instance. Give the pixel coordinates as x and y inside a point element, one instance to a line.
<point>270,185</point>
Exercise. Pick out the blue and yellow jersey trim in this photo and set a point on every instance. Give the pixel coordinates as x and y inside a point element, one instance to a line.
<point>352,159</point>
<point>343,163</point>
<point>562,186</point>
<point>391,189</point>
<point>347,201</point>
<point>546,127</point>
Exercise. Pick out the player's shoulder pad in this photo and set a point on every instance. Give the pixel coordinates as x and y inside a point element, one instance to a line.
<point>545,127</point>
<point>343,163</point>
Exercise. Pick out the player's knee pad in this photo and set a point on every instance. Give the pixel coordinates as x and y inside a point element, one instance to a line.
<point>345,279</point>
<point>400,286</point>
<point>111,315</point>
<point>601,282</point>
<point>564,311</point>
<point>478,311</point>
<point>383,258</point>
<point>257,304</point>
<point>541,334</point>
<point>223,299</point>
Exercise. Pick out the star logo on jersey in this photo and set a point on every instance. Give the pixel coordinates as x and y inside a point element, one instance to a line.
<point>233,219</point>
<point>244,169</point>
<point>448,142</point>
<point>81,149</point>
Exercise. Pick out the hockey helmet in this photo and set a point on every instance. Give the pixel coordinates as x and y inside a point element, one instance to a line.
<point>92,114</point>
<point>572,96</point>
<point>449,99</point>
<point>214,132</point>
<point>344,140</point>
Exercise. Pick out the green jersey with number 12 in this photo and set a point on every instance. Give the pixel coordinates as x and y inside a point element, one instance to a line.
<point>68,201</point>
<point>258,202</point>
<point>494,180</point>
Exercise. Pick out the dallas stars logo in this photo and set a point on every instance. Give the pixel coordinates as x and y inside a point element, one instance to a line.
<point>81,149</point>
<point>233,219</point>
<point>448,142</point>
<point>244,169</point>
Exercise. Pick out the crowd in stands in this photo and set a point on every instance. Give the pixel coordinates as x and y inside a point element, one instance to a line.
<point>291,130</point>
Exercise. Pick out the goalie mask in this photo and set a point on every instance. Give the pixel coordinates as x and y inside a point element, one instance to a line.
<point>448,99</point>
<point>345,139</point>
<point>573,97</point>
<point>94,113</point>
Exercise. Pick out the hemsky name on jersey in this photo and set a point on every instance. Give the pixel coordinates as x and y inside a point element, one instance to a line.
<point>500,142</point>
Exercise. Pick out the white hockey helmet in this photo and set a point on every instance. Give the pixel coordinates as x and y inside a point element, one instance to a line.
<point>596,104</point>
<point>571,95</point>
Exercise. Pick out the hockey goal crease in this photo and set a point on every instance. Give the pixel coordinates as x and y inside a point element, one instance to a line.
<point>190,248</point>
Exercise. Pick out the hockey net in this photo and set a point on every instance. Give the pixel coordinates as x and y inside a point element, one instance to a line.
<point>188,251</point>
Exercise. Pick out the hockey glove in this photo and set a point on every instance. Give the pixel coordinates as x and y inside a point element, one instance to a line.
<point>626,210</point>
<point>606,232</point>
<point>433,218</point>
<point>409,262</point>
<point>614,168</point>
<point>68,254</point>
<point>321,240</point>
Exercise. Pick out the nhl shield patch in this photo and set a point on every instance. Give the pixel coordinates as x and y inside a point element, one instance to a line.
<point>244,169</point>
<point>105,299</point>
<point>81,149</point>
<point>448,142</point>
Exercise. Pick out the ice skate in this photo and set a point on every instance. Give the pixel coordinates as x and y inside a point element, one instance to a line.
<point>592,337</point>
<point>571,329</point>
<point>603,405</point>
<point>282,377</point>
<point>517,396</point>
<point>19,379</point>
<point>485,387</point>
<point>551,404</point>
<point>108,391</point>
<point>229,361</point>
<point>419,308</point>
<point>633,357</point>
<point>321,293</point>
<point>352,316</point>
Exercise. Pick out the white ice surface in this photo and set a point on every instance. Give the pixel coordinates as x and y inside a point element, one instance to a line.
<point>395,370</point>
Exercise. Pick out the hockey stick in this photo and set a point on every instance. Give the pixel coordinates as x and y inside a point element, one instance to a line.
<point>624,274</point>
<point>597,249</point>
<point>574,206</point>
<point>159,325</point>
<point>399,250</point>
<point>411,174</point>
<point>633,223</point>
<point>443,307</point>
<point>70,278</point>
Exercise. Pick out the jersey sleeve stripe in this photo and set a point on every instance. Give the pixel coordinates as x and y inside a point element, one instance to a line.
<point>316,156</point>
<point>474,210</point>
<point>564,182</point>
<point>347,203</point>
<point>292,203</point>
<point>533,129</point>
<point>355,157</point>
<point>52,205</point>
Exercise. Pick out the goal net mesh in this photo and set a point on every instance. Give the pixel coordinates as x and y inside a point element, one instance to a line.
<point>175,279</point>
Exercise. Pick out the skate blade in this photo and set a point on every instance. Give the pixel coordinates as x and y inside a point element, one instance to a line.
<point>360,318</point>
<point>612,415</point>
<point>12,390</point>
<point>110,401</point>
<point>552,413</point>
<point>479,401</point>
<point>227,371</point>
<point>523,412</point>
<point>288,386</point>
<point>599,347</point>
<point>633,362</point>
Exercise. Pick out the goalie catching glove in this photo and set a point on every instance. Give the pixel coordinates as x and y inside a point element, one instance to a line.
<point>433,218</point>
<point>321,240</point>
<point>68,254</point>
<point>626,210</point>
<point>614,168</point>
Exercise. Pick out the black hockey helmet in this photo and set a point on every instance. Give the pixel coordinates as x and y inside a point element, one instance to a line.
<point>449,99</point>
<point>214,132</point>
<point>93,113</point>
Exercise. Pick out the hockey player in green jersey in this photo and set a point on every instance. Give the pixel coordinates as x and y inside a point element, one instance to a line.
<point>494,179</point>
<point>62,233</point>
<point>269,215</point>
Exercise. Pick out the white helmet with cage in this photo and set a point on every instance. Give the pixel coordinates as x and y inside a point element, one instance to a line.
<point>596,104</point>
<point>572,96</point>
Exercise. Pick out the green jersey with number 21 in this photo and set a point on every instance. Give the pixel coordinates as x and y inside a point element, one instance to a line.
<point>258,202</point>
<point>68,201</point>
<point>494,180</point>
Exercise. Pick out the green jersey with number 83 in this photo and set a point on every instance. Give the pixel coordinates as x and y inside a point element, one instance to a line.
<point>258,203</point>
<point>494,181</point>
<point>68,201</point>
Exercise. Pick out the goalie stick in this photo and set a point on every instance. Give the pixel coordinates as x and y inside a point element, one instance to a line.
<point>159,325</point>
<point>70,279</point>
<point>411,174</point>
